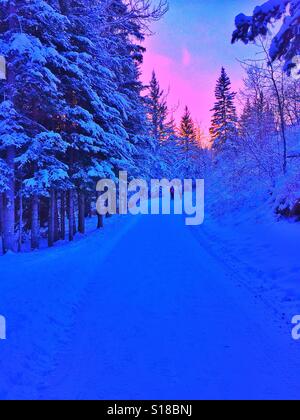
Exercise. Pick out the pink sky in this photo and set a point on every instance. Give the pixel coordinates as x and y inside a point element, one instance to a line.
<point>196,91</point>
<point>190,45</point>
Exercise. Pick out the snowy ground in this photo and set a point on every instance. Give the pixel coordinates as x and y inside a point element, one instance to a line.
<point>151,309</point>
<point>265,254</point>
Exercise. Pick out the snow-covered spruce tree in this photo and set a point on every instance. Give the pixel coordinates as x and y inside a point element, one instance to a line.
<point>224,120</point>
<point>157,110</point>
<point>105,123</point>
<point>84,83</point>
<point>258,140</point>
<point>107,87</point>
<point>170,152</point>
<point>12,137</point>
<point>163,132</point>
<point>30,96</point>
<point>292,94</point>
<point>71,111</point>
<point>257,119</point>
<point>286,44</point>
<point>187,131</point>
<point>127,29</point>
<point>124,37</point>
<point>189,153</point>
<point>105,114</point>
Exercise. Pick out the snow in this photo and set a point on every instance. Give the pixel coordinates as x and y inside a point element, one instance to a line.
<point>147,307</point>
<point>24,44</point>
<point>285,44</point>
<point>39,301</point>
<point>151,309</point>
<point>254,242</point>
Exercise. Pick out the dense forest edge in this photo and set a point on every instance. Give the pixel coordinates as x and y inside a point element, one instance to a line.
<point>73,110</point>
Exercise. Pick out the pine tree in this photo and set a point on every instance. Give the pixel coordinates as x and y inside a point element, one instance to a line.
<point>187,131</point>
<point>157,110</point>
<point>104,112</point>
<point>246,118</point>
<point>224,120</point>
<point>85,87</point>
<point>31,94</point>
<point>187,163</point>
<point>200,136</point>
<point>123,40</point>
<point>72,109</point>
<point>257,119</point>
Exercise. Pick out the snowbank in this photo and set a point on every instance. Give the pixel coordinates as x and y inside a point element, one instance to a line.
<point>263,250</point>
<point>39,298</point>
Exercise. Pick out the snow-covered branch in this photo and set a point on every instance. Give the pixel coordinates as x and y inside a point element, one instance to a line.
<point>286,44</point>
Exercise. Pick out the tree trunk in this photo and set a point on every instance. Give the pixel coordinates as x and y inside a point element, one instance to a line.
<point>56,218</point>
<point>71,215</point>
<point>51,220</point>
<point>63,216</point>
<point>74,219</point>
<point>280,103</point>
<point>35,223</point>
<point>9,205</point>
<point>9,201</point>
<point>88,206</point>
<point>20,221</point>
<point>81,212</point>
<point>2,221</point>
<point>99,216</point>
<point>282,124</point>
<point>100,221</point>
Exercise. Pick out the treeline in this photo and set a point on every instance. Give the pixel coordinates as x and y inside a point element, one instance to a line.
<point>267,160</point>
<point>256,156</point>
<point>182,147</point>
<point>71,111</point>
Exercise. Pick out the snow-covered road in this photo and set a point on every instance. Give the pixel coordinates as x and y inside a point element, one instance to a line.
<point>159,317</point>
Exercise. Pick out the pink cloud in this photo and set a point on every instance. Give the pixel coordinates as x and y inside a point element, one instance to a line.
<point>186,57</point>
